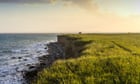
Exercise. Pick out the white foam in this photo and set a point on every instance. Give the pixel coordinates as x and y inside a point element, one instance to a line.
<point>10,73</point>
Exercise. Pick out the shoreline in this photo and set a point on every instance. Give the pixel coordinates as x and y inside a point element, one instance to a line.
<point>55,51</point>
<point>60,49</point>
<point>64,48</point>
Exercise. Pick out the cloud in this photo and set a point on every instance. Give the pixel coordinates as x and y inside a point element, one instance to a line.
<point>86,4</point>
<point>26,1</point>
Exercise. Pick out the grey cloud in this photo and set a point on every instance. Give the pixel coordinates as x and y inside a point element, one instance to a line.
<point>86,4</point>
<point>25,1</point>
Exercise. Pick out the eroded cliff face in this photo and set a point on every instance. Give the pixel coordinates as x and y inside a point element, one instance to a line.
<point>72,46</point>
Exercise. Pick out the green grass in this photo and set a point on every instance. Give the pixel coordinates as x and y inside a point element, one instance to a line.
<point>107,59</point>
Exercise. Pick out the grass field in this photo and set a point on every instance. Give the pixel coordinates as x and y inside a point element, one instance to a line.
<point>107,59</point>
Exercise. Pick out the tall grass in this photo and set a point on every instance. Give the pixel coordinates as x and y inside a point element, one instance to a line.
<point>102,62</point>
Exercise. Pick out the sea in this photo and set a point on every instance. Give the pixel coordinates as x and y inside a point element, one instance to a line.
<point>19,50</point>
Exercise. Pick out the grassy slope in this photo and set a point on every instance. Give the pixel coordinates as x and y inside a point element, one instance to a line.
<point>109,59</point>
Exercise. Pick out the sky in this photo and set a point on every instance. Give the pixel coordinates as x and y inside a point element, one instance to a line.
<point>69,16</point>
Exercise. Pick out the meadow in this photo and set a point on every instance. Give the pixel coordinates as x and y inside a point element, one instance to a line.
<point>107,59</point>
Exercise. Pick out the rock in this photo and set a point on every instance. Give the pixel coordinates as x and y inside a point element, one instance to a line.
<point>24,59</point>
<point>13,57</point>
<point>28,65</point>
<point>19,57</point>
<point>31,67</point>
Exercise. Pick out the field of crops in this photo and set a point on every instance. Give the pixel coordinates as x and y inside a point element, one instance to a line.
<point>108,59</point>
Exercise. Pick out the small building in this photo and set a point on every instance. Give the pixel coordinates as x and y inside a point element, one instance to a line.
<point>80,32</point>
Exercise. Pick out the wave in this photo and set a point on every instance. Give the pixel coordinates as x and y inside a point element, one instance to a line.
<point>17,60</point>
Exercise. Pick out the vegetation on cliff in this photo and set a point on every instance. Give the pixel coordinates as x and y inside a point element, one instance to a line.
<point>103,59</point>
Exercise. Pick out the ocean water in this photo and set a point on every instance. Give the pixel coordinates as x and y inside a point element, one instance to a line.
<point>19,50</point>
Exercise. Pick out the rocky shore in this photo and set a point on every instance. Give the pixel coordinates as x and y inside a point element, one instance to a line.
<point>55,51</point>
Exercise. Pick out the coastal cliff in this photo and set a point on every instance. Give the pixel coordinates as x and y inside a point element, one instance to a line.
<point>72,46</point>
<point>66,47</point>
<point>67,43</point>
